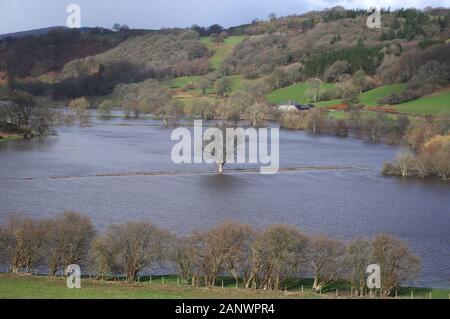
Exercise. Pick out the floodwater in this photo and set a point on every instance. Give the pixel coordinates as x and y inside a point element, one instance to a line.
<point>98,170</point>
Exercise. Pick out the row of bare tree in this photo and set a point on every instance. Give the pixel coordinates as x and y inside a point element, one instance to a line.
<point>257,259</point>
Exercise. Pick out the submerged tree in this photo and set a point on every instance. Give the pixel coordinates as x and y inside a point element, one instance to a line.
<point>105,109</point>
<point>221,145</point>
<point>169,111</point>
<point>80,107</point>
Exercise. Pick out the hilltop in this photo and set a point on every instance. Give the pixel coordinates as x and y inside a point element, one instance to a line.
<point>327,57</point>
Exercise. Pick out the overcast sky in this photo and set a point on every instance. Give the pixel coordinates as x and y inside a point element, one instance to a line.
<point>21,15</point>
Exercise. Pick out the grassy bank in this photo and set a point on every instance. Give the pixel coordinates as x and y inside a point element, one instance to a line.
<point>14,286</point>
<point>10,137</point>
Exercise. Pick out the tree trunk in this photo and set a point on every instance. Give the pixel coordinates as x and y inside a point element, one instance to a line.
<point>317,286</point>
<point>220,168</point>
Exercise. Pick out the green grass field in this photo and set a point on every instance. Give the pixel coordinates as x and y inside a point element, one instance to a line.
<point>296,92</point>
<point>432,104</point>
<point>43,287</point>
<point>221,52</point>
<point>370,97</point>
<point>183,81</point>
<point>38,287</point>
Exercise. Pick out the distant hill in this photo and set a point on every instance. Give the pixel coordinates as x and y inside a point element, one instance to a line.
<point>44,31</point>
<point>36,52</point>
<point>279,58</point>
<point>35,32</point>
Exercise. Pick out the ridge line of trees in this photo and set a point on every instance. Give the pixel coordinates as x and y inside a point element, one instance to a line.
<point>255,258</point>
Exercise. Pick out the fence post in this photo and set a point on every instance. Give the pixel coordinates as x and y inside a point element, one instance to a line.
<point>222,284</point>
<point>396,294</point>
<point>150,282</point>
<point>430,295</point>
<point>337,293</point>
<point>162,280</point>
<point>139,279</point>
<point>302,288</point>
<point>412,294</point>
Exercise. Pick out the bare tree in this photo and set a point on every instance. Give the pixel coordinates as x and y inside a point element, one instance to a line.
<point>326,259</point>
<point>182,253</point>
<point>315,119</point>
<point>279,252</point>
<point>103,256</point>
<point>294,73</point>
<point>236,240</point>
<point>223,86</point>
<point>357,259</point>
<point>258,90</point>
<point>359,80</point>
<point>404,160</point>
<point>441,162</point>
<point>204,84</point>
<point>422,163</point>
<point>19,108</point>
<point>209,258</point>
<point>257,113</point>
<point>233,108</point>
<point>22,243</point>
<point>334,72</point>
<point>136,245</point>
<point>146,97</point>
<point>105,109</point>
<point>228,111</point>
<point>131,105</point>
<point>219,148</point>
<point>221,37</point>
<point>69,240</point>
<point>374,125</point>
<point>314,88</point>
<point>170,111</point>
<point>80,107</point>
<point>397,263</point>
<point>203,108</point>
